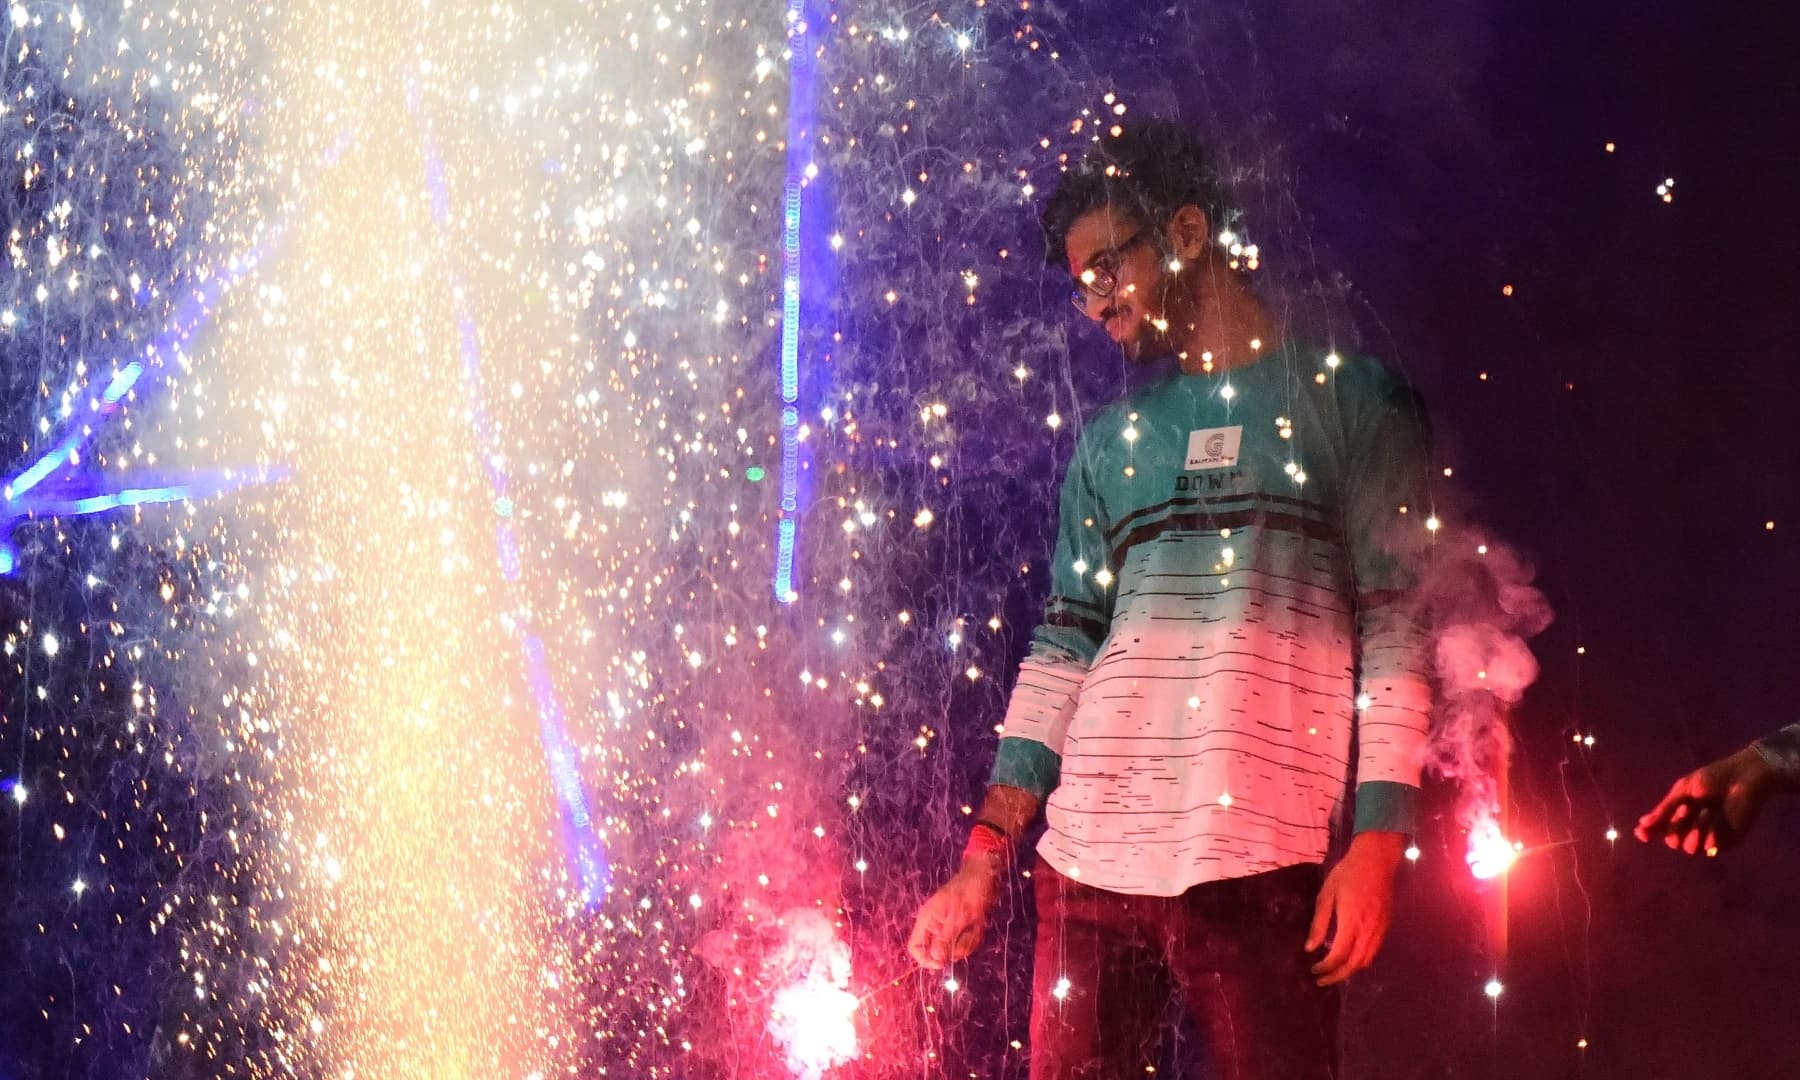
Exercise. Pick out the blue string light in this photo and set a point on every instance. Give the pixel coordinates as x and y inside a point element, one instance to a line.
<point>799,136</point>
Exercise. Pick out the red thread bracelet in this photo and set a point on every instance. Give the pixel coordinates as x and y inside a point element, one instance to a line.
<point>987,838</point>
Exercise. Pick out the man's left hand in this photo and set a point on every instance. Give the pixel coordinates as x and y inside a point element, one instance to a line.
<point>1359,892</point>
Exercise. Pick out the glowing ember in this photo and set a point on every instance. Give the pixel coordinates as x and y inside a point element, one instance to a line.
<point>816,1021</point>
<point>1490,854</point>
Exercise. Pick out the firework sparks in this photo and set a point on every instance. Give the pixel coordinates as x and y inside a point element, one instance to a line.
<point>350,832</point>
<point>1490,852</point>
<point>813,1016</point>
<point>815,1021</point>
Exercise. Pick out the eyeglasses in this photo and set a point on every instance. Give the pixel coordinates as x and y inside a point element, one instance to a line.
<point>1101,275</point>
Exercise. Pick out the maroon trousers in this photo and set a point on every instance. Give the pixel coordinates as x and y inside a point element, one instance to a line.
<point>1107,964</point>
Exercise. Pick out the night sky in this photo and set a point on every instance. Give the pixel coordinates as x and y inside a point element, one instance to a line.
<point>1608,373</point>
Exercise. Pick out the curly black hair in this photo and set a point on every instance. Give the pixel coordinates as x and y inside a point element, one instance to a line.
<point>1152,168</point>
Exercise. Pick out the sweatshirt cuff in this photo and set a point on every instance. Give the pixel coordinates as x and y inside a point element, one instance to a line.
<point>1386,806</point>
<point>1782,751</point>
<point>1026,764</point>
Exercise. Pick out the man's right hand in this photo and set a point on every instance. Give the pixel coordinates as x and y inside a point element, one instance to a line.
<point>951,923</point>
<point>1713,806</point>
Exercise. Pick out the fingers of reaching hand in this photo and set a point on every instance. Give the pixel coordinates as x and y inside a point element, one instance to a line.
<point>1690,817</point>
<point>1665,813</point>
<point>1705,811</point>
<point>1694,826</point>
<point>1703,821</point>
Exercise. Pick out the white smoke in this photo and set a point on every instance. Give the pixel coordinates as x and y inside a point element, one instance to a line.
<point>1479,598</point>
<point>814,1014</point>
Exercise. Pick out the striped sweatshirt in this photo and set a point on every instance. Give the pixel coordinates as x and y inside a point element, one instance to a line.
<point>1229,641</point>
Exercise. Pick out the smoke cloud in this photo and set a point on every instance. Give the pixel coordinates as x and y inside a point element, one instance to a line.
<point>1479,598</point>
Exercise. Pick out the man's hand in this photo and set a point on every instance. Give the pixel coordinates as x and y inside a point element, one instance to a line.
<point>1359,891</point>
<point>1712,807</point>
<point>950,924</point>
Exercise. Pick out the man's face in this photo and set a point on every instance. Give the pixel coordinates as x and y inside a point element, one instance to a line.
<point>1109,246</point>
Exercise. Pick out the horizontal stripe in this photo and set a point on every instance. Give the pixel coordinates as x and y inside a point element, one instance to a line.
<point>1329,581</point>
<point>1062,671</point>
<point>1072,757</point>
<point>1343,673</point>
<point>1215,500</point>
<point>1238,807</point>
<point>1058,598</point>
<point>1236,519</point>
<point>1072,754</point>
<point>1222,671</point>
<point>1215,840</point>
<point>1245,588</point>
<point>1093,628</point>
<point>1367,723</point>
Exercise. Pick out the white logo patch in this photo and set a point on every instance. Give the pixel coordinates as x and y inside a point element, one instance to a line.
<point>1214,448</point>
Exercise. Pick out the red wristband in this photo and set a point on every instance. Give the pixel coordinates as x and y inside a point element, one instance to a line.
<point>987,838</point>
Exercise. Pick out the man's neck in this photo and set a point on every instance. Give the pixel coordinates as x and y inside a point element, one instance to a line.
<point>1234,330</point>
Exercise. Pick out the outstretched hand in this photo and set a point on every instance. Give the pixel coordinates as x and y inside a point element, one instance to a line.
<point>1713,807</point>
<point>1359,894</point>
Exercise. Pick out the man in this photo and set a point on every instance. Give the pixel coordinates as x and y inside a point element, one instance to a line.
<point>1713,807</point>
<point>1231,558</point>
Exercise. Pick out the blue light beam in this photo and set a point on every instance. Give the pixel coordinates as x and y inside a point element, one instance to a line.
<point>586,851</point>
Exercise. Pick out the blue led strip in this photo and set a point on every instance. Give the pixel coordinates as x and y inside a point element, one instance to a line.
<point>799,140</point>
<point>195,310</point>
<point>103,493</point>
<point>77,436</point>
<point>580,836</point>
<point>97,494</point>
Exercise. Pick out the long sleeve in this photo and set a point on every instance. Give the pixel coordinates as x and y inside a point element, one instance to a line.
<point>1064,645</point>
<point>1782,751</point>
<point>1389,469</point>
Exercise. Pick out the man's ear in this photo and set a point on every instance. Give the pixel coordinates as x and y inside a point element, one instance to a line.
<point>1187,233</point>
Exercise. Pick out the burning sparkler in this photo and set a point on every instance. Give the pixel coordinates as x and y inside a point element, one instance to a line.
<point>1490,853</point>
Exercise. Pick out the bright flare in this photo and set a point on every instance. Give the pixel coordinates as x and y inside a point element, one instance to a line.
<point>1490,854</point>
<point>816,1021</point>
